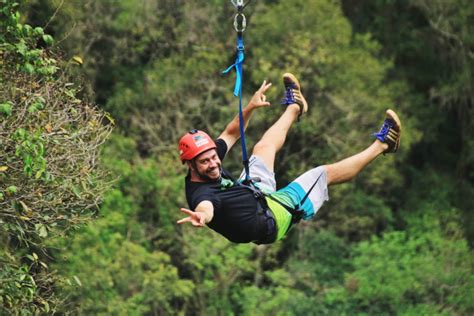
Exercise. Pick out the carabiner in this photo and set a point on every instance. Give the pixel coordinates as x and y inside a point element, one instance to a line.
<point>240,26</point>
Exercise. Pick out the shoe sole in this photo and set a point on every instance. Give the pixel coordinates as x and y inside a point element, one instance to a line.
<point>289,77</point>
<point>393,116</point>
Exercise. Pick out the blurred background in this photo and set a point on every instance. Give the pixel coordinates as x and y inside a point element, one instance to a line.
<point>395,241</point>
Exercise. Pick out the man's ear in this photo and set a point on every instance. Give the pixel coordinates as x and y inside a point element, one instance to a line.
<point>190,164</point>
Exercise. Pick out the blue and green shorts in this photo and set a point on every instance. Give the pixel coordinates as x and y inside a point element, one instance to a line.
<point>292,194</point>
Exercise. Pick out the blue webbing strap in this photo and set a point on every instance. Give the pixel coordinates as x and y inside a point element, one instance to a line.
<point>239,61</point>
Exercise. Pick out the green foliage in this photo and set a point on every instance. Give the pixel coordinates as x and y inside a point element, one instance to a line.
<point>216,267</point>
<point>426,267</point>
<point>369,213</point>
<point>49,140</point>
<point>122,268</point>
<point>18,286</point>
<point>403,269</point>
<point>278,300</point>
<point>30,148</point>
<point>118,276</point>
<point>6,108</point>
<point>327,265</point>
<point>388,243</point>
<point>18,42</point>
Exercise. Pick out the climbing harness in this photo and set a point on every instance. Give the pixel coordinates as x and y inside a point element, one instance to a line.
<point>297,212</point>
<point>240,24</point>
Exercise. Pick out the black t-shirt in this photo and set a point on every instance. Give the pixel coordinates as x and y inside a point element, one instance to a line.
<point>235,207</point>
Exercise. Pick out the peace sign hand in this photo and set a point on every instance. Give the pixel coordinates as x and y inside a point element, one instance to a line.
<point>259,99</point>
<point>198,219</point>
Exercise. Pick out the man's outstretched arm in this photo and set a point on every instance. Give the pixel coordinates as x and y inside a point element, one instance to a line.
<point>232,132</point>
<point>202,215</point>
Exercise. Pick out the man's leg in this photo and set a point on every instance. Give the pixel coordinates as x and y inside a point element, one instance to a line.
<point>274,138</point>
<point>348,168</point>
<point>388,141</point>
<point>309,191</point>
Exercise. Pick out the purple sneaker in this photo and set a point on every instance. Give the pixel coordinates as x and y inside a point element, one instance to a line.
<point>293,93</point>
<point>390,132</point>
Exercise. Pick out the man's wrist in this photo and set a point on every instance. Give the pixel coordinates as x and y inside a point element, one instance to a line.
<point>250,107</point>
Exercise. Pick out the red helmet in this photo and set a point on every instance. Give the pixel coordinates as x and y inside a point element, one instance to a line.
<point>194,143</point>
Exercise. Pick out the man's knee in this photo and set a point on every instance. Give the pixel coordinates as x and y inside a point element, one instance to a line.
<point>263,147</point>
<point>336,174</point>
<point>329,174</point>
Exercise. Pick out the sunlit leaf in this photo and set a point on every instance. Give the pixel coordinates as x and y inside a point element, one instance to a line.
<point>77,280</point>
<point>77,60</point>
<point>6,108</point>
<point>48,39</point>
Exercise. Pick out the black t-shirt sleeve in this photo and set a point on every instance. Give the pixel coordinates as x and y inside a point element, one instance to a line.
<point>204,194</point>
<point>221,148</point>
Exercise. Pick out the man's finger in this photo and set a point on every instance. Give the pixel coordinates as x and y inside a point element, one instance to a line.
<point>184,220</point>
<point>187,211</point>
<point>265,88</point>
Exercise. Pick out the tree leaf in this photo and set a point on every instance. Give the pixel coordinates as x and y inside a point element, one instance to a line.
<point>6,108</point>
<point>39,174</point>
<point>41,230</point>
<point>76,191</point>
<point>48,39</point>
<point>77,60</point>
<point>27,67</point>
<point>38,30</point>
<point>25,207</point>
<point>12,189</point>
<point>77,280</point>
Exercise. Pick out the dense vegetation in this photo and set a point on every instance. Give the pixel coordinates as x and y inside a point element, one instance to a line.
<point>396,240</point>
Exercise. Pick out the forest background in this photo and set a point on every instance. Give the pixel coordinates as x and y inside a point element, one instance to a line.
<point>94,235</point>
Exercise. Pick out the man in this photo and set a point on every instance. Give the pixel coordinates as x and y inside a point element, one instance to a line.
<point>238,212</point>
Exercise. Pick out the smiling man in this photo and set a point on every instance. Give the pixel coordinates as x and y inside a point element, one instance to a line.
<point>243,214</point>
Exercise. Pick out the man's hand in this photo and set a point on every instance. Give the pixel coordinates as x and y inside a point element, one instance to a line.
<point>198,219</point>
<point>259,99</point>
<point>232,132</point>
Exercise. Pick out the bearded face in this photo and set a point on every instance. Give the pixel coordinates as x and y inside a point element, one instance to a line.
<point>206,166</point>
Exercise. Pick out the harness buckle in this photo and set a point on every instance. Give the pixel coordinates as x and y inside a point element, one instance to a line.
<point>297,215</point>
<point>258,194</point>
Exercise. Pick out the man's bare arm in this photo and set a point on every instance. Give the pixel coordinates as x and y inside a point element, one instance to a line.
<point>203,214</point>
<point>232,132</point>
